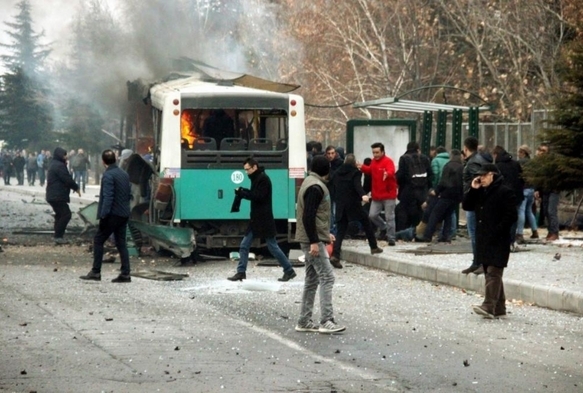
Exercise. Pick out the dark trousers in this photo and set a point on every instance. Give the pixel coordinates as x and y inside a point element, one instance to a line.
<point>41,176</point>
<point>20,177</point>
<point>62,217</point>
<point>116,225</point>
<point>31,176</point>
<point>342,227</point>
<point>494,298</point>
<point>408,213</point>
<point>7,176</point>
<point>441,211</point>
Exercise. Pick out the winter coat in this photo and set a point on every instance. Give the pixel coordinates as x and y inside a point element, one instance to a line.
<point>59,180</point>
<point>495,208</point>
<point>31,164</point>
<point>437,165</point>
<point>451,184</point>
<point>115,193</point>
<point>335,164</point>
<point>346,189</point>
<point>384,182</point>
<point>511,172</point>
<point>19,163</point>
<point>262,223</point>
<point>408,191</point>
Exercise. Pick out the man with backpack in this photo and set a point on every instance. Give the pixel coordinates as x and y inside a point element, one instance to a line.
<point>414,178</point>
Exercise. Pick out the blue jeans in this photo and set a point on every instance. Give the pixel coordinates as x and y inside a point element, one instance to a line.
<point>550,204</point>
<point>319,272</point>
<point>81,179</point>
<point>471,222</point>
<point>525,212</point>
<point>273,248</point>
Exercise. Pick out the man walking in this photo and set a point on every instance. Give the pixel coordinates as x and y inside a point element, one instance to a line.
<point>113,212</point>
<point>494,204</point>
<point>549,202</point>
<point>31,169</point>
<point>384,191</point>
<point>59,185</point>
<point>80,164</point>
<point>348,195</point>
<point>313,233</point>
<point>262,224</point>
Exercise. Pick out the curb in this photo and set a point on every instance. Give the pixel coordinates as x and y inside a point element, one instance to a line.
<point>540,295</point>
<point>40,193</point>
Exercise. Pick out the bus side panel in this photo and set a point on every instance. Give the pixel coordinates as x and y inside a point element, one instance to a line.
<point>208,194</point>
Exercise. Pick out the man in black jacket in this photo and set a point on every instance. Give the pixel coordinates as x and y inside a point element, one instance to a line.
<point>494,204</point>
<point>511,172</point>
<point>414,178</point>
<point>113,213</point>
<point>59,185</point>
<point>348,195</point>
<point>262,224</point>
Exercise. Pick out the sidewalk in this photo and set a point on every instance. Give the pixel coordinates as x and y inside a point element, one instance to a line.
<point>533,275</point>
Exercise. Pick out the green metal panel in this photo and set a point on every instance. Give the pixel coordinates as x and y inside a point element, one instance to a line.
<point>426,134</point>
<point>441,128</point>
<point>456,131</point>
<point>473,122</point>
<point>205,194</point>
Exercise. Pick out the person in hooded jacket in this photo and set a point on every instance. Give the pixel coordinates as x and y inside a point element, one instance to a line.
<point>494,204</point>
<point>347,193</point>
<point>59,185</point>
<point>262,224</point>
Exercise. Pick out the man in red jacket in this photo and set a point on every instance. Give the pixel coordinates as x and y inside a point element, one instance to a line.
<point>384,191</point>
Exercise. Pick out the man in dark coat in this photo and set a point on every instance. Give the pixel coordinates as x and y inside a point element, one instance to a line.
<point>414,178</point>
<point>511,172</point>
<point>113,212</point>
<point>19,163</point>
<point>59,185</point>
<point>262,224</point>
<point>494,204</point>
<point>348,195</point>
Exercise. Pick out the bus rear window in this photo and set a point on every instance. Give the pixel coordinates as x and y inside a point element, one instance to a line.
<point>233,129</point>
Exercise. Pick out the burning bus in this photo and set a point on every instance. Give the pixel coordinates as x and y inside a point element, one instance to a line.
<point>199,127</point>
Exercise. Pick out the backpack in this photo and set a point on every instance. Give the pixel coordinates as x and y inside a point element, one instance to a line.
<point>417,171</point>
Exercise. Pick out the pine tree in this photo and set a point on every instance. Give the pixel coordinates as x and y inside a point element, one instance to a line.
<point>562,169</point>
<point>24,104</point>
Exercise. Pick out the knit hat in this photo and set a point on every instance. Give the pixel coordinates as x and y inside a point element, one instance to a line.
<point>525,149</point>
<point>320,165</point>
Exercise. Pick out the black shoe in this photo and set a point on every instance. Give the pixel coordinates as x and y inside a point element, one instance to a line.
<point>391,242</point>
<point>60,240</point>
<point>122,278</point>
<point>472,269</point>
<point>287,276</point>
<point>376,250</point>
<point>238,277</point>
<point>91,276</point>
<point>479,270</point>
<point>335,261</point>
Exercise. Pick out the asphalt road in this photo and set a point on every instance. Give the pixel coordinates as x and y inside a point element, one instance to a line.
<point>207,334</point>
